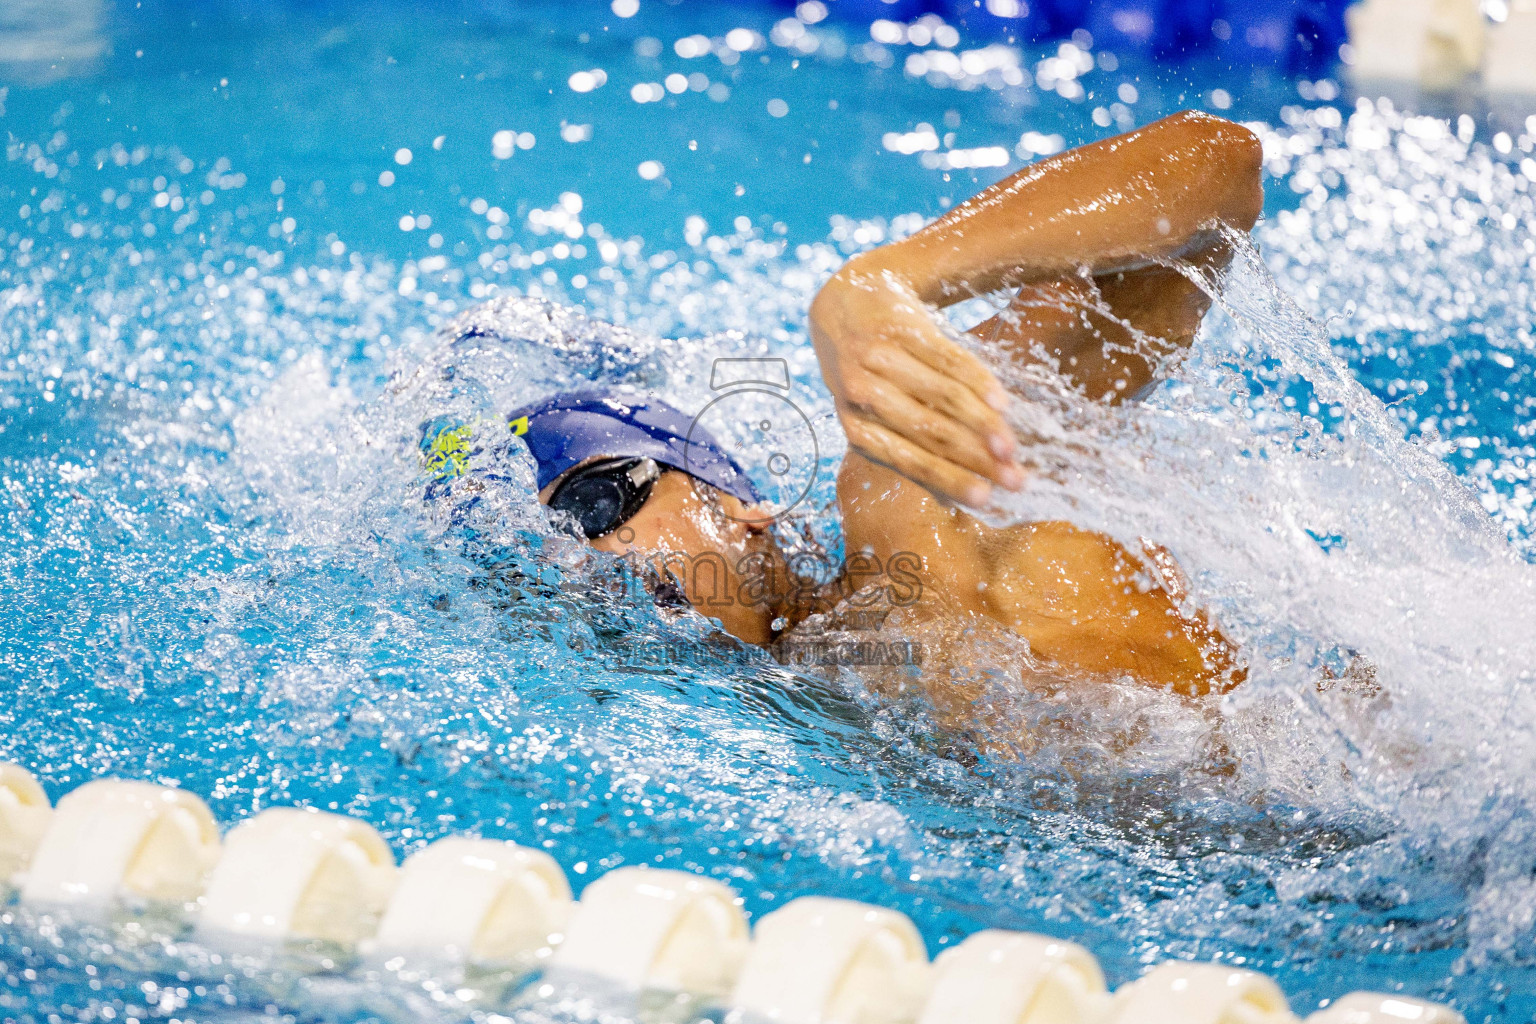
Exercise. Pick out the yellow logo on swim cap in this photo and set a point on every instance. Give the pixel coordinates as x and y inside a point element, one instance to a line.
<point>449,454</point>
<point>519,426</point>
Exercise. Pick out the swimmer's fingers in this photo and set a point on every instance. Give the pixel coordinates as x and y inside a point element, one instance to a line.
<point>889,403</point>
<point>876,339</point>
<point>889,448</point>
<point>968,424</point>
<point>915,331</point>
<point>916,355</point>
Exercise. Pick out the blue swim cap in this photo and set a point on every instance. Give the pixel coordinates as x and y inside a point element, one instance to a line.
<point>569,428</point>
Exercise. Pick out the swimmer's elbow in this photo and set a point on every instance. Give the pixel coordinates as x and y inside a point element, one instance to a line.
<point>1236,157</point>
<point>1245,161</point>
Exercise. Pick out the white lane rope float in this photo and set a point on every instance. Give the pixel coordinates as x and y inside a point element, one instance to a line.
<point>1445,45</point>
<point>291,876</point>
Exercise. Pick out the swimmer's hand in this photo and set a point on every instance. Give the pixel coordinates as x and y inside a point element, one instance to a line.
<point>910,397</point>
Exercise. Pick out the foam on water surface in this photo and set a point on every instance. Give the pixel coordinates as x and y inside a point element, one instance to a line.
<point>219,572</point>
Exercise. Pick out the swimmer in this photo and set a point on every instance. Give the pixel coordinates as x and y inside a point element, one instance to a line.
<point>1094,226</point>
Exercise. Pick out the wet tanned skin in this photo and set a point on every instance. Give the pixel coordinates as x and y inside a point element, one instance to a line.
<point>921,413</point>
<point>1084,603</point>
<point>913,399</point>
<point>923,416</point>
<point>680,531</point>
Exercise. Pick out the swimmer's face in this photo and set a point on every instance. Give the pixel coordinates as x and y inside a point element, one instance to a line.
<point>725,558</point>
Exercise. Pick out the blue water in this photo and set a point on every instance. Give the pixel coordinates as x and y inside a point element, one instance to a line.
<point>216,347</point>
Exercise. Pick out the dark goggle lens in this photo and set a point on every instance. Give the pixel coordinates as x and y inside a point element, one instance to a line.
<point>605,496</point>
<point>596,504</point>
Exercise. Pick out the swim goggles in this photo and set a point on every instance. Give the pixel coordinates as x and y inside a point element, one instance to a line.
<point>606,494</point>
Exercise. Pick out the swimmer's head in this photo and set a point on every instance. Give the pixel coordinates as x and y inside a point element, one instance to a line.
<point>641,477</point>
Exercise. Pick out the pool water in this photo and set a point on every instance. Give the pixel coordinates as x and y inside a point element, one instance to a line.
<point>230,232</point>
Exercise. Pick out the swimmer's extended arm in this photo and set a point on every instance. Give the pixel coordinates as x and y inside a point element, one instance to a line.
<point>911,398</point>
<point>1107,334</point>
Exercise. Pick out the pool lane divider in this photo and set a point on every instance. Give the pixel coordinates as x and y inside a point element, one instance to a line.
<point>1444,45</point>
<point>291,876</point>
